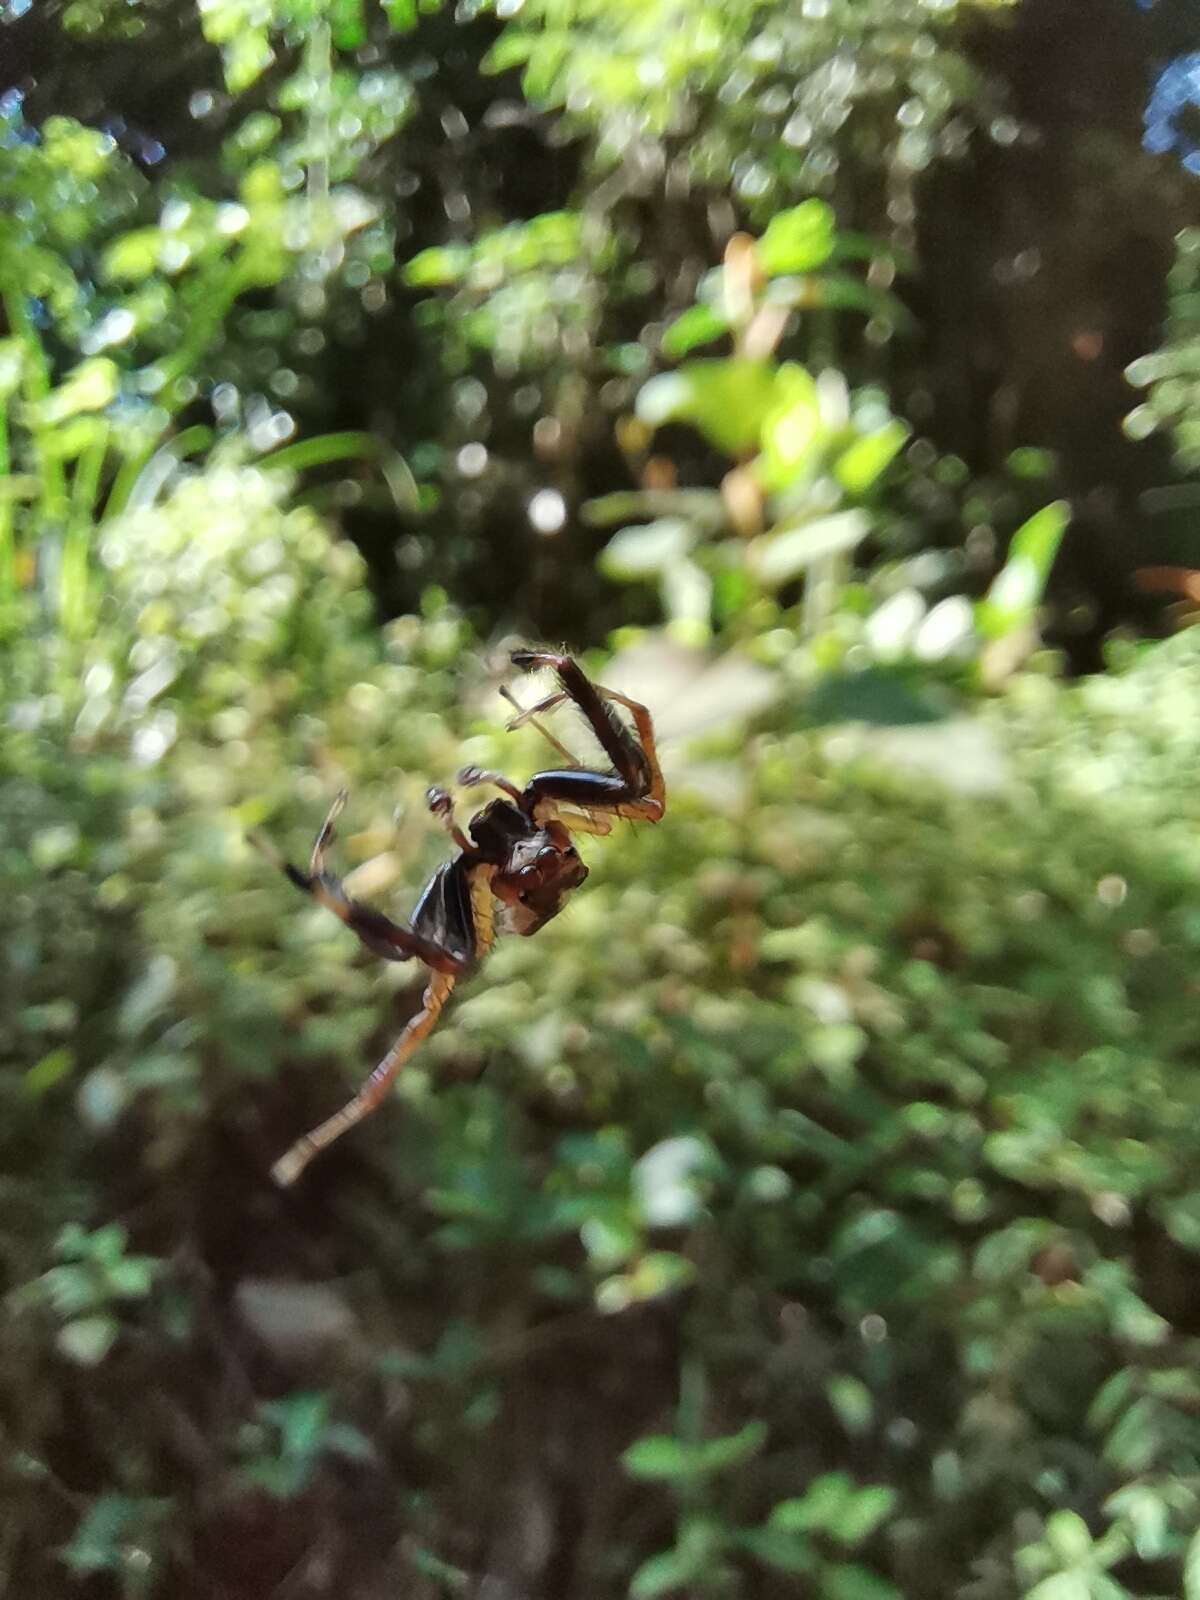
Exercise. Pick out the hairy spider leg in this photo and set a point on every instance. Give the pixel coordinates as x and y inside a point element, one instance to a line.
<point>289,1166</point>
<point>531,717</point>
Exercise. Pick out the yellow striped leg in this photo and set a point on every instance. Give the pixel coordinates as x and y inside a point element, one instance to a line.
<point>289,1167</point>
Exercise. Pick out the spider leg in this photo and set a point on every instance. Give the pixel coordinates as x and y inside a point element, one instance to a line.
<point>440,803</point>
<point>378,933</point>
<point>289,1166</point>
<point>635,789</point>
<point>326,834</point>
<point>576,821</point>
<point>438,990</point>
<point>531,716</point>
<point>476,777</point>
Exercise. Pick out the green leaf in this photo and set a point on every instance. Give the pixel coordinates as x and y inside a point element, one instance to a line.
<point>776,1547</point>
<point>90,386</point>
<point>1147,1515</point>
<point>12,364</point>
<point>1016,592</point>
<point>437,267</point>
<point>1062,1586</point>
<point>784,554</point>
<point>1191,1569</point>
<point>644,552</point>
<point>865,1512</point>
<point>877,696</point>
<point>1068,1535</point>
<point>687,593</point>
<point>726,400</point>
<point>859,466</point>
<point>718,1455</point>
<point>704,508</point>
<point>401,15</point>
<point>799,240</point>
<point>246,57</point>
<point>838,291</point>
<point>1181,1218</point>
<point>346,24</point>
<point>792,431</point>
<point>698,325</point>
<point>44,1074</point>
<point>87,1340</point>
<point>132,257</point>
<point>114,1521</point>
<point>662,1573</point>
<point>848,1582</point>
<point>852,1403</point>
<point>657,1457</point>
<point>818,1508</point>
<point>1029,462</point>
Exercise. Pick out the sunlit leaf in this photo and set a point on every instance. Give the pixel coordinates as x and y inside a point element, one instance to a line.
<point>87,1340</point>
<point>698,325</point>
<point>780,556</point>
<point>347,25</point>
<point>862,463</point>
<point>437,267</point>
<point>799,240</point>
<point>644,551</point>
<point>1062,1586</point>
<point>726,400</point>
<point>1016,592</point>
<point>91,386</point>
<point>792,430</point>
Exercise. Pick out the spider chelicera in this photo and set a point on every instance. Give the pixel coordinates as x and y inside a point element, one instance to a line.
<point>519,854</point>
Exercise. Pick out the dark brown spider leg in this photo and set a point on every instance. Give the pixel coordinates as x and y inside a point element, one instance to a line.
<point>380,934</point>
<point>636,788</point>
<point>289,1166</point>
<point>440,803</point>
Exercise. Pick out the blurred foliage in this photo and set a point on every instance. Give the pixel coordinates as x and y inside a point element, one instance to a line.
<point>1171,375</point>
<point>763,94</point>
<point>812,1209</point>
<point>834,1168</point>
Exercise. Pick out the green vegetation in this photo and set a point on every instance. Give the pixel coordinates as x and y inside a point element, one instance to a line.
<point>812,1210</point>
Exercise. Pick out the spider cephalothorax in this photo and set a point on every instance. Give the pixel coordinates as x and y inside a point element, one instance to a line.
<point>519,854</point>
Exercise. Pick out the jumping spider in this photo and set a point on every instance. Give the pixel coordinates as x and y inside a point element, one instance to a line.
<point>518,854</point>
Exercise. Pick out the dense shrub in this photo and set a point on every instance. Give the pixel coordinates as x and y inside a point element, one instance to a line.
<point>840,1133</point>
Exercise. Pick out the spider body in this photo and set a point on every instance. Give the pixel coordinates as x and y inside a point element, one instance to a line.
<point>518,854</point>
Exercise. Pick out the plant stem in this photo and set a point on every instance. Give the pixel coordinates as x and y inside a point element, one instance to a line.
<point>37,387</point>
<point>8,554</point>
<point>73,572</point>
